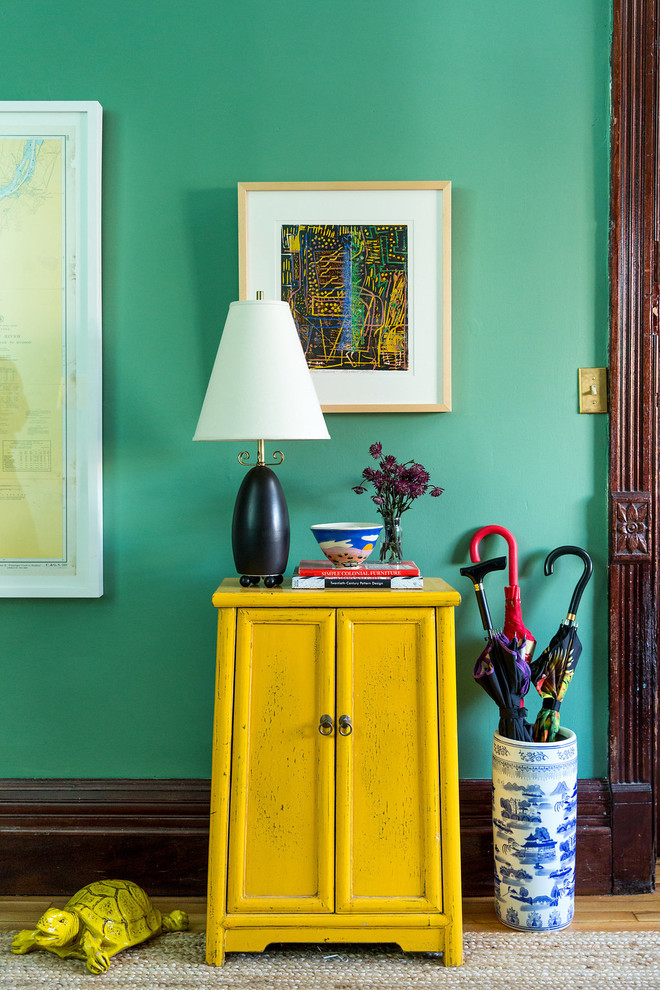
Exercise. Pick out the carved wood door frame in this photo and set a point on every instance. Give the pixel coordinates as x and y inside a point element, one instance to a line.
<point>633,484</point>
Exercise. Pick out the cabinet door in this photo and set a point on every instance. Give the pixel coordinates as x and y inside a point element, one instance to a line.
<point>281,831</point>
<point>388,814</point>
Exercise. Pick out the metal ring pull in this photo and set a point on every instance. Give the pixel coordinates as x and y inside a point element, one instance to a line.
<point>345,725</point>
<point>326,725</point>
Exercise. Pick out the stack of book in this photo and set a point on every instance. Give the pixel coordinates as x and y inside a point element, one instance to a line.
<point>313,574</point>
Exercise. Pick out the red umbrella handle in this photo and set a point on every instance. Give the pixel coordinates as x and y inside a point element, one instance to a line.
<point>510,539</point>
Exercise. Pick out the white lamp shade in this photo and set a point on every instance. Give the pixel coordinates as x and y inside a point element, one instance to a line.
<point>260,387</point>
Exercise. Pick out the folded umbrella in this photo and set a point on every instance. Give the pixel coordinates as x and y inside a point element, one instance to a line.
<point>501,668</point>
<point>553,670</point>
<point>514,627</point>
<point>504,674</point>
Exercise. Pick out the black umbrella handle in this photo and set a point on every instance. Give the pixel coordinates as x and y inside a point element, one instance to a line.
<point>582,583</point>
<point>476,573</point>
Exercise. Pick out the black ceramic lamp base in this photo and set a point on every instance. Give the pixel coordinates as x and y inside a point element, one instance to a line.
<point>260,532</point>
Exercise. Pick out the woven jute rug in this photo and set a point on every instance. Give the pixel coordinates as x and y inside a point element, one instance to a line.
<point>561,961</point>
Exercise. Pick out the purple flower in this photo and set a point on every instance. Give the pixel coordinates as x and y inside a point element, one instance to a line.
<point>396,485</point>
<point>418,473</point>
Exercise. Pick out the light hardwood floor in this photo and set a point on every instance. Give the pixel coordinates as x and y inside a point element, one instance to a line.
<point>616,914</point>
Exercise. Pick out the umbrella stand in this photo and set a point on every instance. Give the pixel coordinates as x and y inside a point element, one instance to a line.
<point>534,832</point>
<point>553,671</point>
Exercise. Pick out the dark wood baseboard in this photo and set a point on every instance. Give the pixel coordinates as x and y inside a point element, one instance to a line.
<point>57,835</point>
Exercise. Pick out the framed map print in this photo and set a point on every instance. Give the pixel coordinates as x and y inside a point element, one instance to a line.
<point>366,270</point>
<point>50,350</point>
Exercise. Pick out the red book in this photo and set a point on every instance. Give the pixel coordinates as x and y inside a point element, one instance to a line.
<point>323,568</point>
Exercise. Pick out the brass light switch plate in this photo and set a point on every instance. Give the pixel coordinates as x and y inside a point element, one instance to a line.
<point>593,390</point>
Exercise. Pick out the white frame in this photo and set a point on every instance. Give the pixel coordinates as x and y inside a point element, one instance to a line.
<point>78,573</point>
<point>426,207</point>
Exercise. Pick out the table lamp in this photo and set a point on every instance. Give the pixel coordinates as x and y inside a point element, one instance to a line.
<point>260,389</point>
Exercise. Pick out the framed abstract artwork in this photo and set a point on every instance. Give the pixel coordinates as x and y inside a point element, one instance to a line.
<point>50,350</point>
<point>366,270</point>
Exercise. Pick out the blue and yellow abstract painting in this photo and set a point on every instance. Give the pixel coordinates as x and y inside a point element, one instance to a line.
<point>347,287</point>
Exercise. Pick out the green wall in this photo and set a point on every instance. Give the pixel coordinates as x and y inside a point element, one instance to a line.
<point>510,102</point>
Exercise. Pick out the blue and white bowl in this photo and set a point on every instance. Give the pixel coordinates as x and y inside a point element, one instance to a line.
<point>346,544</point>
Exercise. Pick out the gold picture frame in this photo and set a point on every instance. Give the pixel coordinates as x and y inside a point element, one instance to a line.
<point>391,294</point>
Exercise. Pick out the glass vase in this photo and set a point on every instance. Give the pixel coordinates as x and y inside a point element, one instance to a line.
<point>390,548</point>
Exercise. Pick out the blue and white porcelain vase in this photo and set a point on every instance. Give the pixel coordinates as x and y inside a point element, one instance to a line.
<point>534,823</point>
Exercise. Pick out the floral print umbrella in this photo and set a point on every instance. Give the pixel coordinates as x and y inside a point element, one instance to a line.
<point>553,671</point>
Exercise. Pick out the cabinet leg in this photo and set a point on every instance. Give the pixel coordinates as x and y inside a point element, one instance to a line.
<point>215,948</point>
<point>453,949</point>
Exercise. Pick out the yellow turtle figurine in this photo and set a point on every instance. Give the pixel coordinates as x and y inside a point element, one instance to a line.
<point>97,922</point>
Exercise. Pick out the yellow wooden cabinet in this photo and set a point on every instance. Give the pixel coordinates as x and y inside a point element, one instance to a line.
<point>334,808</point>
